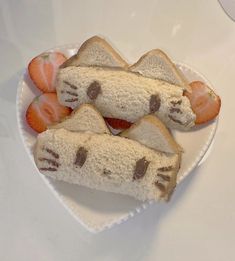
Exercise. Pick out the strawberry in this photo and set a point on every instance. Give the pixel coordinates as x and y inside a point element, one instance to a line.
<point>42,70</point>
<point>45,110</point>
<point>117,123</point>
<point>204,102</point>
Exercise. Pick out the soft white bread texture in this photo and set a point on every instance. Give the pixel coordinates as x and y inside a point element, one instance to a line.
<point>124,95</point>
<point>151,132</point>
<point>96,52</point>
<point>84,118</point>
<point>157,65</point>
<point>108,163</point>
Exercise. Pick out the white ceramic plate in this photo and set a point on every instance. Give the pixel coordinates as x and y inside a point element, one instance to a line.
<point>98,210</point>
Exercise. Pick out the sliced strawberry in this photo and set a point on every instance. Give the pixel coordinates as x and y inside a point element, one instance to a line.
<point>45,110</point>
<point>118,124</point>
<point>205,103</point>
<point>43,68</point>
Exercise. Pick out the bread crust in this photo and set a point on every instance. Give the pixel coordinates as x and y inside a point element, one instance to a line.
<point>97,39</point>
<point>160,126</point>
<point>157,52</point>
<point>75,60</point>
<point>79,110</point>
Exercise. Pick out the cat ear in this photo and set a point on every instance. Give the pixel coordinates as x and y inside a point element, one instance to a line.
<point>157,65</point>
<point>96,51</point>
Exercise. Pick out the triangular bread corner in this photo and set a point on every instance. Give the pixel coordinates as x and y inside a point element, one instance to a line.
<point>157,65</point>
<point>84,118</point>
<point>151,132</point>
<point>96,51</point>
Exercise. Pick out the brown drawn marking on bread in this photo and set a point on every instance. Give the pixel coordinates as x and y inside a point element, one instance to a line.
<point>50,162</point>
<point>94,90</point>
<point>74,87</point>
<point>48,169</point>
<point>154,103</point>
<point>160,186</point>
<point>53,153</point>
<point>168,168</point>
<point>106,173</point>
<point>164,177</point>
<point>81,156</point>
<point>174,103</point>
<point>72,93</point>
<point>177,110</point>
<point>71,100</point>
<point>175,120</point>
<point>140,168</point>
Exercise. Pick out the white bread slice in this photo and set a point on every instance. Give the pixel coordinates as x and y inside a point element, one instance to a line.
<point>96,52</point>
<point>125,95</point>
<point>106,162</point>
<point>157,65</point>
<point>151,132</point>
<point>84,118</point>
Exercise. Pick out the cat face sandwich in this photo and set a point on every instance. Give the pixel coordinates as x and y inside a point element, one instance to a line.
<point>147,99</point>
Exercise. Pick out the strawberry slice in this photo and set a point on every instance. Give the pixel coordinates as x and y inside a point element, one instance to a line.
<point>45,110</point>
<point>118,124</point>
<point>204,102</point>
<point>42,70</point>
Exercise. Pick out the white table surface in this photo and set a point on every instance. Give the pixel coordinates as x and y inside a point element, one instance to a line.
<point>199,222</point>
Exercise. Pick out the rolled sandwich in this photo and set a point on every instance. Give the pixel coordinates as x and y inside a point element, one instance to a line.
<point>108,163</point>
<point>121,94</point>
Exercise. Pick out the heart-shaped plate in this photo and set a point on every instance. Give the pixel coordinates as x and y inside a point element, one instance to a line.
<point>97,210</point>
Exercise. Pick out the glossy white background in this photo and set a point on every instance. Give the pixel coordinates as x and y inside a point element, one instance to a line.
<point>199,221</point>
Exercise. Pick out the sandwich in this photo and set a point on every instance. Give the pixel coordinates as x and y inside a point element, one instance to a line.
<point>98,75</point>
<point>93,158</point>
<point>106,162</point>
